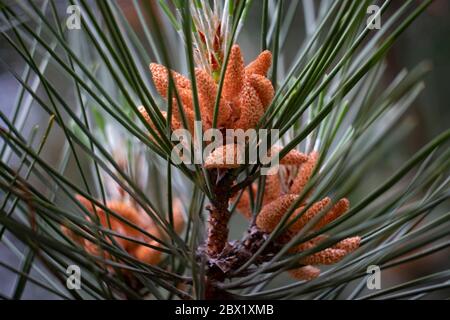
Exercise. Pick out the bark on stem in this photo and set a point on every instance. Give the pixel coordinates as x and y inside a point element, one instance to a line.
<point>219,216</point>
<point>218,229</point>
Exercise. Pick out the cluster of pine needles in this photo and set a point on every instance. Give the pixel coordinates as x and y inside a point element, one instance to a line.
<point>87,177</point>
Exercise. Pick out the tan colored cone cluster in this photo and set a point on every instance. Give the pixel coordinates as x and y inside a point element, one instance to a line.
<point>277,202</point>
<point>228,156</point>
<point>292,158</point>
<point>305,273</point>
<point>215,161</point>
<point>246,94</point>
<point>135,216</point>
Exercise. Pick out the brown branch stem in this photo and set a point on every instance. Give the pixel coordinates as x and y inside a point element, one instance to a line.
<point>219,217</point>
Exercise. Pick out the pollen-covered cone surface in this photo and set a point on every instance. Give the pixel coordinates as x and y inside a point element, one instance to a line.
<point>225,157</point>
<point>305,273</point>
<point>128,212</point>
<point>246,92</point>
<point>280,196</point>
